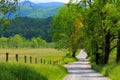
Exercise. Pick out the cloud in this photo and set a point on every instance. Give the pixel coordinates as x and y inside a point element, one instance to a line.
<point>44,1</point>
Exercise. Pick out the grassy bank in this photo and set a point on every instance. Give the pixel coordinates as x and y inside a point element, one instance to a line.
<point>31,72</point>
<point>112,69</point>
<point>25,71</point>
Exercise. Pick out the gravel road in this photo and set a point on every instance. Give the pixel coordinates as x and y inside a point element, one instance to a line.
<point>81,70</point>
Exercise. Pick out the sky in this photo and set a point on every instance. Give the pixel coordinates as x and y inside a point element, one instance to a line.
<point>44,1</point>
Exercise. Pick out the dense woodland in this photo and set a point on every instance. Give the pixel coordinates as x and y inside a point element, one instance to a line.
<point>28,28</point>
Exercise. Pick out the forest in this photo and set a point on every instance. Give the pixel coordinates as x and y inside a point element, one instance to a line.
<point>28,28</point>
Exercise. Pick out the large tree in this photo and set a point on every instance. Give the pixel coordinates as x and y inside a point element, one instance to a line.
<point>66,27</point>
<point>101,27</point>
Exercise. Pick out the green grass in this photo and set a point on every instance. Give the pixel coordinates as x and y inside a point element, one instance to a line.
<point>31,72</point>
<point>13,70</point>
<point>45,53</point>
<point>112,69</point>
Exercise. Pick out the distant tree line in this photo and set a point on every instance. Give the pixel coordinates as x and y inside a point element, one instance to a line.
<point>18,41</point>
<point>28,28</point>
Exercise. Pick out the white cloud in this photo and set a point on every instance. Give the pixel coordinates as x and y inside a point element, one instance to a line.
<point>44,1</point>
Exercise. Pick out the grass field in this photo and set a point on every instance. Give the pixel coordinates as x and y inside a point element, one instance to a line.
<point>25,71</point>
<point>47,54</point>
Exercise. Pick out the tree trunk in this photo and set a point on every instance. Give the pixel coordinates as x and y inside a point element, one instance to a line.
<point>118,49</point>
<point>97,55</point>
<point>107,48</point>
<point>73,54</point>
<point>97,58</point>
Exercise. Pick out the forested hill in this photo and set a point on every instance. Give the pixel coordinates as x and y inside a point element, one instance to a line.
<point>40,10</point>
<point>28,28</point>
<point>34,20</point>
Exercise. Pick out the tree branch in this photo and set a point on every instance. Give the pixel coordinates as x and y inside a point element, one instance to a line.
<point>113,48</point>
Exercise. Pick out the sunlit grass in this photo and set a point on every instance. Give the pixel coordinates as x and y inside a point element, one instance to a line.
<point>45,53</point>
<point>13,70</point>
<point>31,72</point>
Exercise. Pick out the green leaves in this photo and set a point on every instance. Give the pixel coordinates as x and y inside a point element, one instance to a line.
<point>6,8</point>
<point>66,27</point>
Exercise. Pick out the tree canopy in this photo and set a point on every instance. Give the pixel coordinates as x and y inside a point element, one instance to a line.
<point>7,9</point>
<point>66,28</point>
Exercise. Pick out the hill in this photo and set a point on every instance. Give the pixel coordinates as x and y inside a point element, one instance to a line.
<point>29,28</point>
<point>34,20</point>
<point>41,10</point>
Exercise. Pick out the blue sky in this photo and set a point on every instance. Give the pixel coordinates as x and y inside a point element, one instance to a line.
<point>44,1</point>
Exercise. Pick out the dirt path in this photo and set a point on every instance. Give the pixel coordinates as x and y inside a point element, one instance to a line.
<point>81,70</point>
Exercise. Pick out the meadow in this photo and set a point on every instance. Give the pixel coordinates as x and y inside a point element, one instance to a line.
<point>45,53</point>
<point>13,70</point>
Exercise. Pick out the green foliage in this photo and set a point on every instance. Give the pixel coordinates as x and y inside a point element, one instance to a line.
<point>6,9</point>
<point>101,21</point>
<point>18,41</point>
<point>68,59</point>
<point>66,27</point>
<point>29,28</point>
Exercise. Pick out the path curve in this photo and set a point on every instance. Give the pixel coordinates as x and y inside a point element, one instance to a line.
<point>81,70</point>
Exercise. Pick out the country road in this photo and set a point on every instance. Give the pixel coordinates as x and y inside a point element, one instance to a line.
<point>81,70</point>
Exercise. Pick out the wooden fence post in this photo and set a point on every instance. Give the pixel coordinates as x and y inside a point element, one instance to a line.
<point>44,61</point>
<point>57,62</point>
<point>36,60</point>
<point>7,57</point>
<point>50,62</point>
<point>25,58</point>
<point>30,59</point>
<point>17,57</point>
<point>41,60</point>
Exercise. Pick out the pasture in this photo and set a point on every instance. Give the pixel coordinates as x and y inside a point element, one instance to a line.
<point>13,70</point>
<point>45,53</point>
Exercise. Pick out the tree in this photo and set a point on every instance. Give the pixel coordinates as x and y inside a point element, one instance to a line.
<point>3,42</point>
<point>66,28</point>
<point>7,9</point>
<point>17,41</point>
<point>101,28</point>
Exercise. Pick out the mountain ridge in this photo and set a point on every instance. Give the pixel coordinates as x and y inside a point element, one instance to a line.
<point>39,10</point>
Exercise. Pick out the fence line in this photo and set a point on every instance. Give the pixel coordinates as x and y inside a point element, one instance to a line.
<point>30,59</point>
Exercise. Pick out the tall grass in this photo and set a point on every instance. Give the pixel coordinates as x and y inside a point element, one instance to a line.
<point>26,71</point>
<point>31,72</point>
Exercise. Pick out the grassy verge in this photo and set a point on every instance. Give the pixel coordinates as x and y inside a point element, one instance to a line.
<point>31,72</point>
<point>112,69</point>
<point>26,71</point>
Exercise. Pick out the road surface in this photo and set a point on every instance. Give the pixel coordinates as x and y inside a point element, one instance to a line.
<point>81,70</point>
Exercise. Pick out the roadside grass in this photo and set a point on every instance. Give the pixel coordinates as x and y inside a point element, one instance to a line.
<point>13,70</point>
<point>31,72</point>
<point>112,69</point>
